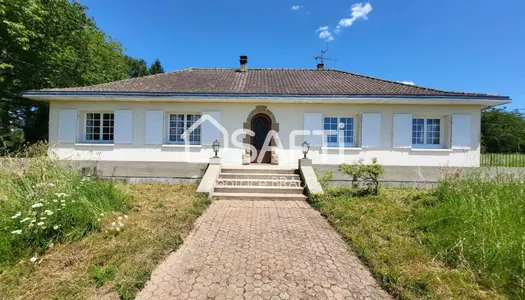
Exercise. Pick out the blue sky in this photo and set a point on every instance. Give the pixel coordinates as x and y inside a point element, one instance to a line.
<point>460,45</point>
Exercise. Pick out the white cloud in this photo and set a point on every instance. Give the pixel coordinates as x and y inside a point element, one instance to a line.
<point>297,7</point>
<point>407,82</point>
<point>324,34</point>
<point>359,11</point>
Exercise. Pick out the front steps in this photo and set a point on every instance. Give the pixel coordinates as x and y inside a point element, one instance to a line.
<point>258,182</point>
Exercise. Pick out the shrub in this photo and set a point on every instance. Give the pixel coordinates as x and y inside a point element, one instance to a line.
<point>369,174</point>
<point>42,203</point>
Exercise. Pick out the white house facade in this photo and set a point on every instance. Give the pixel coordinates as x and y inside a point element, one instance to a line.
<point>264,116</point>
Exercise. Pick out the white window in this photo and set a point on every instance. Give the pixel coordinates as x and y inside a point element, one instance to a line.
<point>178,124</point>
<point>342,131</point>
<point>426,132</point>
<point>99,127</point>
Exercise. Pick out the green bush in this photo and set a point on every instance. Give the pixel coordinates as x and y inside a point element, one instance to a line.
<point>480,225</point>
<point>42,203</point>
<point>369,174</point>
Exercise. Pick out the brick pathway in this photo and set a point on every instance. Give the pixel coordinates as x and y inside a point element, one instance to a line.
<point>262,250</point>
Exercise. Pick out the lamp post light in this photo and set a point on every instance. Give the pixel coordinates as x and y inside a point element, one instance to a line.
<point>216,146</point>
<point>306,148</point>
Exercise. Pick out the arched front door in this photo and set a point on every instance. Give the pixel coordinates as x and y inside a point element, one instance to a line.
<point>261,125</point>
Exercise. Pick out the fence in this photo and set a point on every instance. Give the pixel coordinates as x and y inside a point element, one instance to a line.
<point>516,160</point>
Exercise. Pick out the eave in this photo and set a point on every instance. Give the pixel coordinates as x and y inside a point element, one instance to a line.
<point>459,99</point>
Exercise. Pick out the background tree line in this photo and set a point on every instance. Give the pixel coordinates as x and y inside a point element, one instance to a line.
<point>52,44</point>
<point>503,131</point>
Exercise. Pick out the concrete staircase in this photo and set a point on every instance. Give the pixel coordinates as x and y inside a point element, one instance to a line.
<point>258,182</point>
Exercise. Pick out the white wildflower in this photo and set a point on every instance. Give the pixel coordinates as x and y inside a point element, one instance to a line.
<point>113,224</point>
<point>60,195</point>
<point>56,227</point>
<point>125,216</point>
<point>98,219</point>
<point>43,218</point>
<point>38,204</point>
<point>18,214</point>
<point>48,212</point>
<point>101,215</point>
<point>51,245</point>
<point>25,220</point>
<point>119,218</point>
<point>19,231</point>
<point>55,200</point>
<point>120,224</point>
<point>33,259</point>
<point>118,229</point>
<point>40,224</point>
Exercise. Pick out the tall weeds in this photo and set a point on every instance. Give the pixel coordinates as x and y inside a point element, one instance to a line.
<point>42,203</point>
<point>480,225</point>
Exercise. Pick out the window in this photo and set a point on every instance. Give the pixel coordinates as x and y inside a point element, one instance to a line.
<point>426,132</point>
<point>178,124</point>
<point>344,126</point>
<point>99,127</point>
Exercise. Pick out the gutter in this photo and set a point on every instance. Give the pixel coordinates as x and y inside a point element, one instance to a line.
<point>487,100</point>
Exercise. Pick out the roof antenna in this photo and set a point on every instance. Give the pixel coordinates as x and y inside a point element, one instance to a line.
<point>322,58</point>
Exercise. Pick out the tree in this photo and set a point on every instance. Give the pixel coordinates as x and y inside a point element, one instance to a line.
<point>156,68</point>
<point>137,67</point>
<point>50,44</point>
<point>502,131</point>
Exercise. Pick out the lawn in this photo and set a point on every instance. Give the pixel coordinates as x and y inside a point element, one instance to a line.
<point>100,250</point>
<point>464,240</point>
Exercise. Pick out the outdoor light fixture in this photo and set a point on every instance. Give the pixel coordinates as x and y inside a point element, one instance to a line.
<point>306,148</point>
<point>216,146</point>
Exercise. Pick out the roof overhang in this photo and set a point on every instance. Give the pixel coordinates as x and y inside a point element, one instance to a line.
<point>482,100</point>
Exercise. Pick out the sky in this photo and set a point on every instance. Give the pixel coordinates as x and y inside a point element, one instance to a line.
<point>458,45</point>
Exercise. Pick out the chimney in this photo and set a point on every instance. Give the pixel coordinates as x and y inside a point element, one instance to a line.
<point>320,66</point>
<point>244,61</point>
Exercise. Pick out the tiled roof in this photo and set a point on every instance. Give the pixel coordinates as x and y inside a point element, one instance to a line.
<point>264,81</point>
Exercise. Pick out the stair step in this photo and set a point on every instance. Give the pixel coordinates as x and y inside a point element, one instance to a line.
<point>260,189</point>
<point>258,196</point>
<point>259,170</point>
<point>233,175</point>
<point>249,182</point>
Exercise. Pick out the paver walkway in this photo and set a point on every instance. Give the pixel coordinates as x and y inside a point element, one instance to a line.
<point>262,250</point>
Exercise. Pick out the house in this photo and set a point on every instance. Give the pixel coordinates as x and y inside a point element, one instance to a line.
<point>264,116</point>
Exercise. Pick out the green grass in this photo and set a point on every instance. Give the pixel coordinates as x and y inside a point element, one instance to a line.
<point>480,226</point>
<point>516,160</point>
<point>463,241</point>
<point>42,204</point>
<point>106,263</point>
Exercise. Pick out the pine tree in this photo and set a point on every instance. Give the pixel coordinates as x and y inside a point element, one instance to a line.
<point>156,68</point>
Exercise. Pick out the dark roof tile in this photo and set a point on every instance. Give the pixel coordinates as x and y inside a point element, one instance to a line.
<point>264,81</point>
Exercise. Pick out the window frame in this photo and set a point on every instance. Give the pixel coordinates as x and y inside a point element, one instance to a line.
<point>425,145</point>
<point>354,132</point>
<point>168,125</point>
<point>84,128</point>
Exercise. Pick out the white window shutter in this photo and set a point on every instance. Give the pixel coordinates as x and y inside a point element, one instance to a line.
<point>123,127</point>
<point>67,126</point>
<point>154,127</point>
<point>461,129</point>
<point>371,131</point>
<point>313,122</point>
<point>209,132</point>
<point>402,131</point>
